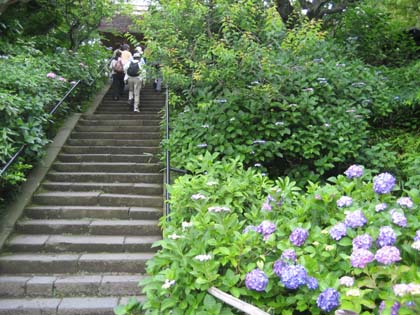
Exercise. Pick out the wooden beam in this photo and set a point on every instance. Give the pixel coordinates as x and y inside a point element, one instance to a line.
<point>235,302</point>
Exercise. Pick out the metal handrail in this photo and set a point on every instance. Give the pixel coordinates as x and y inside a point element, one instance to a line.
<point>168,156</point>
<point>52,111</point>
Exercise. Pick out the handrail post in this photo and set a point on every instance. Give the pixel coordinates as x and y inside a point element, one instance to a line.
<point>168,153</point>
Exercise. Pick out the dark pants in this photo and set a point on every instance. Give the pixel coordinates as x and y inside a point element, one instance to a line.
<point>117,84</point>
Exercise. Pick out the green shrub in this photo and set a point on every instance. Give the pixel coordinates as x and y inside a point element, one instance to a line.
<point>372,35</point>
<point>184,268</point>
<point>31,84</point>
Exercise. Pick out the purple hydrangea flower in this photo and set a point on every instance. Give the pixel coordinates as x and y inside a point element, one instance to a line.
<point>344,201</point>
<point>362,241</point>
<point>278,266</point>
<point>361,257</point>
<point>386,236</point>
<point>417,237</point>
<point>405,202</point>
<point>288,254</point>
<point>298,237</point>
<point>381,207</point>
<point>355,219</point>
<point>383,183</point>
<point>388,255</point>
<point>256,280</point>
<point>293,276</point>
<point>250,228</point>
<point>266,228</point>
<point>311,283</point>
<point>394,309</point>
<point>399,219</point>
<point>328,300</point>
<point>354,171</point>
<point>338,231</point>
<point>347,281</point>
<point>266,207</point>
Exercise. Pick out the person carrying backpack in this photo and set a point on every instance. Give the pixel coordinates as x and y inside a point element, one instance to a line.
<point>136,75</point>
<point>117,71</point>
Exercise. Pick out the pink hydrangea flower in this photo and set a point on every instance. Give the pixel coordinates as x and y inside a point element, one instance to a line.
<point>51,75</point>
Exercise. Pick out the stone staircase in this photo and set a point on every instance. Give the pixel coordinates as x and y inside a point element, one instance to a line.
<point>81,246</point>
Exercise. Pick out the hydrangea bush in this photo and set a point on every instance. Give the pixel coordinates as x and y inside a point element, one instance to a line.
<point>284,250</point>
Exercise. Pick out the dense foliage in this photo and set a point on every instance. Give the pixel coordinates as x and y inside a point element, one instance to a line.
<point>37,71</point>
<point>331,236</point>
<point>293,102</point>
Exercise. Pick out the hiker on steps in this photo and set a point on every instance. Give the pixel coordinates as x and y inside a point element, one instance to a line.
<point>135,73</point>
<point>117,71</point>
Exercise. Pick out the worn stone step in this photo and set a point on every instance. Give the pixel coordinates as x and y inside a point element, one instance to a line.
<point>119,122</point>
<point>121,167</point>
<point>93,198</point>
<point>56,286</point>
<point>134,158</point>
<point>89,226</point>
<point>113,142</point>
<point>36,263</point>
<point>109,150</point>
<point>80,243</point>
<point>137,129</point>
<point>113,188</point>
<point>94,212</point>
<point>101,177</point>
<point>62,306</point>
<point>137,117</point>
<point>115,135</point>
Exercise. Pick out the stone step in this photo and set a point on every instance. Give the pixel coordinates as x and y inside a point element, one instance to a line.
<point>36,263</point>
<point>113,142</point>
<point>115,158</point>
<point>56,286</point>
<point>101,177</point>
<point>80,243</point>
<point>93,198</point>
<point>110,150</point>
<point>89,226</point>
<point>108,167</point>
<point>115,135</point>
<point>137,129</point>
<point>94,212</point>
<point>113,188</point>
<point>109,122</point>
<point>137,117</point>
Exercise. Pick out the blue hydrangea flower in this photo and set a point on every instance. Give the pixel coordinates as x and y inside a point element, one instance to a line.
<point>386,237</point>
<point>344,201</point>
<point>338,231</point>
<point>256,280</point>
<point>381,207</point>
<point>399,219</point>
<point>293,276</point>
<point>278,266</point>
<point>417,237</point>
<point>298,237</point>
<point>355,219</point>
<point>405,202</point>
<point>354,171</point>
<point>312,283</point>
<point>388,255</point>
<point>288,254</point>
<point>250,228</point>
<point>362,241</point>
<point>361,257</point>
<point>383,183</point>
<point>266,228</point>
<point>328,300</point>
